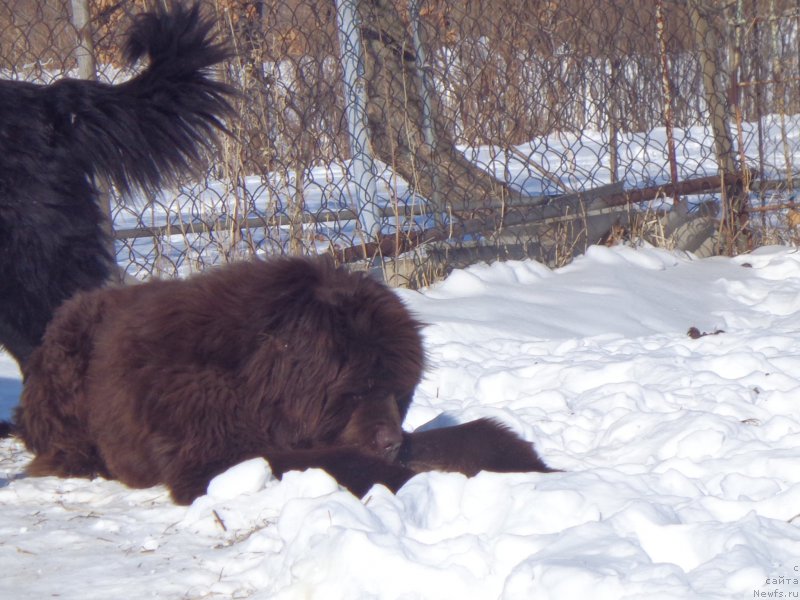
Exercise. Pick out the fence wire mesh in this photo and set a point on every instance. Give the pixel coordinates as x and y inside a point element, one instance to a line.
<point>422,135</point>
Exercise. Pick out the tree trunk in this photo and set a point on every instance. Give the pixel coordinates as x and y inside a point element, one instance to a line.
<point>395,114</point>
<point>734,227</point>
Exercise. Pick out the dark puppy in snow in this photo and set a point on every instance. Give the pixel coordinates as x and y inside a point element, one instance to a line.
<point>293,360</point>
<point>57,140</point>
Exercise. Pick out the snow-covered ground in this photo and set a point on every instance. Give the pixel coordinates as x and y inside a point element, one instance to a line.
<point>680,458</point>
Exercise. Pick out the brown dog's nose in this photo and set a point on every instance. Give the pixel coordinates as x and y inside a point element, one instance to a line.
<point>387,440</point>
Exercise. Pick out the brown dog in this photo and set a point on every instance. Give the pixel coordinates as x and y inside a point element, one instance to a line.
<point>294,360</point>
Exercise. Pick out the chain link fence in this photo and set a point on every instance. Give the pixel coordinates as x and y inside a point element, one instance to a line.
<point>416,136</point>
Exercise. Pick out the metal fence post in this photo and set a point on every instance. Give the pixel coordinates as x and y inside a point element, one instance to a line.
<point>423,68</point>
<point>362,169</point>
<point>87,69</point>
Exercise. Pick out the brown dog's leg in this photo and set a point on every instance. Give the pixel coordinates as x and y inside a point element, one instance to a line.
<point>482,445</point>
<point>353,469</point>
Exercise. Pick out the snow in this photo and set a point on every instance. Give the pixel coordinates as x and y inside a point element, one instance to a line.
<point>680,459</point>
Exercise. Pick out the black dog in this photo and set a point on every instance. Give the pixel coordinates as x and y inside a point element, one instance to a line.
<point>57,140</point>
<point>293,360</point>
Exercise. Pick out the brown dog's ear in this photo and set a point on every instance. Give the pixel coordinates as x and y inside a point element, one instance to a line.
<point>482,445</point>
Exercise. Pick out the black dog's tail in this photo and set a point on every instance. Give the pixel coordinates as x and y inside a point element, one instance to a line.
<point>143,133</point>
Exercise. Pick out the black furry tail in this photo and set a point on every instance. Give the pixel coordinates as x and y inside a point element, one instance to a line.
<point>144,133</point>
